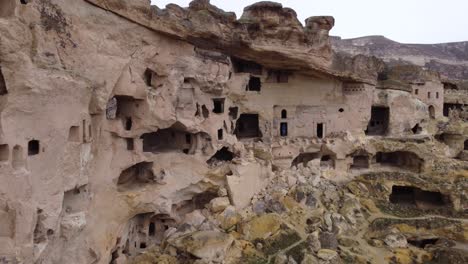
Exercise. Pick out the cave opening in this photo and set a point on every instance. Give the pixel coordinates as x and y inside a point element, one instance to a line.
<point>148,77</point>
<point>432,112</point>
<point>451,106</point>
<point>137,174</point>
<point>244,66</point>
<point>152,229</point>
<point>304,158</point>
<point>320,130</point>
<point>255,84</point>
<point>327,161</point>
<point>284,114</point>
<point>173,139</point>
<point>3,87</point>
<point>218,105</point>
<point>74,134</point>
<point>360,162</point>
<point>122,107</point>
<point>158,225</point>
<point>128,123</point>
<point>201,200</point>
<point>422,242</point>
<point>130,143</point>
<point>413,196</point>
<point>205,111</point>
<point>233,112</point>
<point>416,129</point>
<point>400,159</point>
<point>18,160</point>
<point>4,152</point>
<point>278,76</point>
<point>221,155</point>
<point>379,122</point>
<point>247,126</point>
<point>284,129</point>
<point>33,147</point>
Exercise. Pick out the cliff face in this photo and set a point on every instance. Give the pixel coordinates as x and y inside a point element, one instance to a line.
<point>450,59</point>
<point>134,134</point>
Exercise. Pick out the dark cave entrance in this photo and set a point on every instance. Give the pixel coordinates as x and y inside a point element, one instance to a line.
<point>304,158</point>
<point>400,159</point>
<point>247,126</point>
<point>379,122</point>
<point>221,155</point>
<point>173,139</point>
<point>413,196</point>
<point>255,84</point>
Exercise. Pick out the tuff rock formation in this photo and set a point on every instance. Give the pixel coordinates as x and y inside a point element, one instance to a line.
<point>135,134</point>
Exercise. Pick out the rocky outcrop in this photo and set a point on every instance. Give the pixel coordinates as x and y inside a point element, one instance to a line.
<point>449,59</point>
<point>266,33</point>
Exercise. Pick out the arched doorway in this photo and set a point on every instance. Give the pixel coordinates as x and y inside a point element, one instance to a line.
<point>432,111</point>
<point>284,114</point>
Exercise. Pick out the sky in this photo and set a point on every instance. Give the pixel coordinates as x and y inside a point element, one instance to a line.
<point>406,21</point>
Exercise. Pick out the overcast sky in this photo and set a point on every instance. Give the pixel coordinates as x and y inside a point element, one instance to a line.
<point>407,21</point>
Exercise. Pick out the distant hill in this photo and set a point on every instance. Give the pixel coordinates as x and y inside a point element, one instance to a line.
<point>450,59</point>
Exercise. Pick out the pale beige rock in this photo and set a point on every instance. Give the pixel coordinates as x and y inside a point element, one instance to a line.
<point>246,181</point>
<point>207,245</point>
<point>262,227</point>
<point>396,241</point>
<point>219,204</point>
<point>327,254</point>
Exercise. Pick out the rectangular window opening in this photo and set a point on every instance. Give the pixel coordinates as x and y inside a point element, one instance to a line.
<point>284,129</point>
<point>320,129</point>
<point>218,105</point>
<point>130,143</point>
<point>255,84</point>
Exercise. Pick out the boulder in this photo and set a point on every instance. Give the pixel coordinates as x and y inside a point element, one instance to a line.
<point>219,204</point>
<point>246,181</point>
<point>261,227</point>
<point>207,245</point>
<point>396,241</point>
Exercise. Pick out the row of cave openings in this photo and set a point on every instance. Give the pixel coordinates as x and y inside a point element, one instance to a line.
<point>404,160</point>
<point>379,123</point>
<point>34,148</point>
<point>18,158</point>
<point>255,71</point>
<point>247,125</point>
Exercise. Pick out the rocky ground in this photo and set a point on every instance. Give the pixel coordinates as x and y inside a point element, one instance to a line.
<point>305,215</point>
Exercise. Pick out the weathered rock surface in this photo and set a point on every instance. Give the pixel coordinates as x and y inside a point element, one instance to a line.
<point>134,134</point>
<point>450,59</point>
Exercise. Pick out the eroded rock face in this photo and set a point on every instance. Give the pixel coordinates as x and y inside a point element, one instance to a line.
<point>134,134</point>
